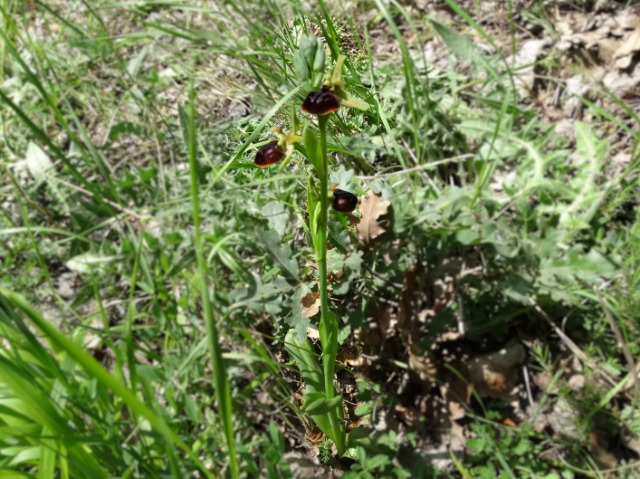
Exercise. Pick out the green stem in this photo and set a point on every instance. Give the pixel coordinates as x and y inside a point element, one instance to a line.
<point>328,321</point>
<point>325,317</point>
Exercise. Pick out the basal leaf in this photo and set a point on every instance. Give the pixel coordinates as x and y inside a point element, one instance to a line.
<point>281,254</point>
<point>463,48</point>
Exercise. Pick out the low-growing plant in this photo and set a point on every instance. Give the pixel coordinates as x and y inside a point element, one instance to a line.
<point>504,452</point>
<point>327,93</point>
<point>107,374</point>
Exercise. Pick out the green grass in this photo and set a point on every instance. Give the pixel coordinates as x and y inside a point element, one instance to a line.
<point>123,168</point>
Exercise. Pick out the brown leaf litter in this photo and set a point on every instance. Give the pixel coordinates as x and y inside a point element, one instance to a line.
<point>371,223</point>
<point>310,304</point>
<point>608,46</point>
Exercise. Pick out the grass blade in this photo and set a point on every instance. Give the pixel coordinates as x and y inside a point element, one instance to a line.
<point>222,389</point>
<point>60,341</point>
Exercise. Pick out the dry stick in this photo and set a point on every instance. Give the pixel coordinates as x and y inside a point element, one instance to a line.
<point>573,346</point>
<point>587,472</point>
<point>527,383</point>
<point>114,205</point>
<point>41,209</point>
<point>426,166</point>
<point>622,344</point>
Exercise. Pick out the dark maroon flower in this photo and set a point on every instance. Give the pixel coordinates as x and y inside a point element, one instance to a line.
<point>321,102</point>
<point>269,154</point>
<point>344,201</point>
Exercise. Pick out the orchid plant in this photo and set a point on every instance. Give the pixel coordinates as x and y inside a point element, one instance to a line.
<point>327,93</point>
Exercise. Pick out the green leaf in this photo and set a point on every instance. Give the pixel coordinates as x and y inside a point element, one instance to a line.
<point>588,146</point>
<point>306,360</point>
<point>459,45</point>
<point>521,447</point>
<point>364,409</point>
<point>467,236</point>
<point>281,254</point>
<point>38,163</point>
<point>88,262</point>
<point>335,260</point>
<point>312,147</point>
<point>315,209</point>
<point>377,461</point>
<point>342,177</point>
<point>360,437</point>
<point>134,65</point>
<point>315,403</point>
<point>276,215</point>
<point>464,48</point>
<point>354,261</point>
<point>125,128</point>
<point>589,163</point>
<point>79,454</point>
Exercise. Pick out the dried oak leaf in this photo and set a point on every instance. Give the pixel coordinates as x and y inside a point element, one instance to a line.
<point>625,54</point>
<point>495,374</point>
<point>303,467</point>
<point>310,305</point>
<point>370,225</point>
<point>491,375</point>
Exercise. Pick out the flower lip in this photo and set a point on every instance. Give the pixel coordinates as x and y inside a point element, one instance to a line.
<point>344,201</point>
<point>269,154</point>
<point>321,102</point>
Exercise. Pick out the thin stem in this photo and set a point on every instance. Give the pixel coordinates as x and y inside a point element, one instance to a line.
<point>328,321</point>
<point>325,317</point>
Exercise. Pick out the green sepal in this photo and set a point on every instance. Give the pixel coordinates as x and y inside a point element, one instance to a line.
<point>336,74</point>
<point>308,47</point>
<point>319,62</point>
<point>349,101</point>
<point>353,102</point>
<point>300,67</point>
<point>311,51</point>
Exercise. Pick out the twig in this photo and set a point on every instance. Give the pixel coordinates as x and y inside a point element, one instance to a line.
<point>527,384</point>
<point>622,344</point>
<point>572,346</point>
<point>120,208</point>
<point>415,168</point>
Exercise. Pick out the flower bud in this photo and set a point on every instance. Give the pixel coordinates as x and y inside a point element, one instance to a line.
<point>321,102</point>
<point>269,154</point>
<point>344,201</point>
<point>319,60</point>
